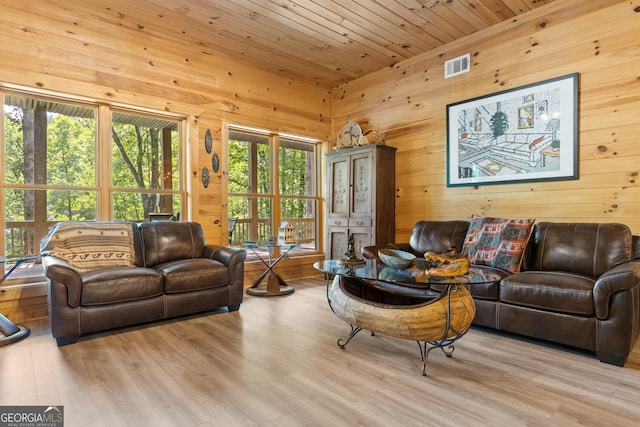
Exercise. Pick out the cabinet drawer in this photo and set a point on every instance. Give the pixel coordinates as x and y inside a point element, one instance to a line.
<point>338,222</point>
<point>359,222</point>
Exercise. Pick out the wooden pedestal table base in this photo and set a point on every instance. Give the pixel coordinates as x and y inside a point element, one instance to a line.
<point>432,323</point>
<point>276,286</point>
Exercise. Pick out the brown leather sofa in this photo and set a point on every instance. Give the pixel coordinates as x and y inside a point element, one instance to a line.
<point>172,273</point>
<point>579,284</point>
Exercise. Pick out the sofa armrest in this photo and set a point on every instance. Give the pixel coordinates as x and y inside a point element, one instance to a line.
<point>625,276</point>
<point>59,270</point>
<point>233,258</point>
<point>371,252</point>
<point>226,255</point>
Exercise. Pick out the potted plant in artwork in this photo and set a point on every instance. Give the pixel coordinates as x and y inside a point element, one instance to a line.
<point>499,123</point>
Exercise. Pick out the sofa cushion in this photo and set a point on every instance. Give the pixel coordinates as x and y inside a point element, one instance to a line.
<point>113,285</point>
<point>90,246</point>
<point>487,291</point>
<point>551,291</point>
<point>497,242</point>
<point>437,236</point>
<point>166,241</point>
<point>588,249</point>
<point>193,274</point>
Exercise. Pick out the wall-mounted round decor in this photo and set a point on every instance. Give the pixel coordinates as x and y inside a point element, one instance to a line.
<point>215,163</point>
<point>205,177</point>
<point>208,141</point>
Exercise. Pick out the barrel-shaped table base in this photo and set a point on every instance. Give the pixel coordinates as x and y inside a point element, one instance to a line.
<point>437,320</point>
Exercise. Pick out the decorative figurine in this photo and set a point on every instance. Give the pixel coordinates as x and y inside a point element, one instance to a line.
<point>350,257</point>
<point>286,233</point>
<point>449,264</point>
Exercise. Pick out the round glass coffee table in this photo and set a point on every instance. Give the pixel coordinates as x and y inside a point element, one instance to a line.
<point>409,304</point>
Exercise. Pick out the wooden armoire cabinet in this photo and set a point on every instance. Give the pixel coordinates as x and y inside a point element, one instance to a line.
<point>360,198</point>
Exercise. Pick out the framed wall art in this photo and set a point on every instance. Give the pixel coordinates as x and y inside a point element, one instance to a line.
<point>529,133</point>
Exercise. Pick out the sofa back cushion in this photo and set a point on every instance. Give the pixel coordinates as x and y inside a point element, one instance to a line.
<point>437,236</point>
<point>587,249</point>
<point>165,241</point>
<point>89,246</point>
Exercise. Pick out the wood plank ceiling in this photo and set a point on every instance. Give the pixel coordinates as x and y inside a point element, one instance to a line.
<point>329,42</point>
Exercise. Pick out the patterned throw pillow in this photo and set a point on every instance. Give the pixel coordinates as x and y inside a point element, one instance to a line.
<point>473,237</point>
<point>91,246</point>
<point>497,242</point>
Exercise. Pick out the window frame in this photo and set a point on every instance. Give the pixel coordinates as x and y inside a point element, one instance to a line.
<point>274,185</point>
<point>103,160</point>
<point>105,152</point>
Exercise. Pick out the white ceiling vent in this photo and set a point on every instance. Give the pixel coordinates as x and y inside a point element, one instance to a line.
<point>456,66</point>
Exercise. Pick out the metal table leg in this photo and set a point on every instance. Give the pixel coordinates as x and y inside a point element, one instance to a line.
<point>10,332</point>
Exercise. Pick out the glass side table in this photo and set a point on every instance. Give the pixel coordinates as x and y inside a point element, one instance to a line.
<point>276,286</point>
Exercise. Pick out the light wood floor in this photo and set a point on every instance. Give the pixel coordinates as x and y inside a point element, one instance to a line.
<point>276,363</point>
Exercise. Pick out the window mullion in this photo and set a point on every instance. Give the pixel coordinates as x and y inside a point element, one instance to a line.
<point>103,163</point>
<point>275,183</point>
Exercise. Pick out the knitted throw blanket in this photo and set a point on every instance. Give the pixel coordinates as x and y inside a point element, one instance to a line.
<point>90,246</point>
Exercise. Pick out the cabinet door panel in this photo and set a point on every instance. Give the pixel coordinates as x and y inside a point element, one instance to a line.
<point>361,237</point>
<point>338,240</point>
<point>361,184</point>
<point>339,187</point>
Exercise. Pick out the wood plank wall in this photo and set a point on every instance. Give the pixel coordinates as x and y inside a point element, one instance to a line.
<point>106,57</point>
<point>62,47</point>
<point>407,104</point>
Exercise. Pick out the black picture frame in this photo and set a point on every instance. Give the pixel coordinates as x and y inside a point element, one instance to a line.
<point>525,134</point>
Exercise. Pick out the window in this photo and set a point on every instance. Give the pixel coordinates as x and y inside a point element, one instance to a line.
<point>49,173</point>
<point>298,204</point>
<point>144,166</point>
<point>57,166</point>
<point>272,179</point>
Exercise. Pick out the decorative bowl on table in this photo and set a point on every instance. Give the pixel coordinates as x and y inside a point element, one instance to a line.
<point>396,258</point>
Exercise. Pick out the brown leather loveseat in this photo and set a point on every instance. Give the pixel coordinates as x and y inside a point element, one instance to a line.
<point>113,274</point>
<point>579,284</point>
